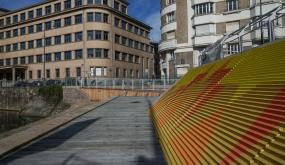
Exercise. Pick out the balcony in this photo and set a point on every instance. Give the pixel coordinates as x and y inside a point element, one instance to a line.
<point>206,39</point>
<point>168,9</point>
<point>167,45</point>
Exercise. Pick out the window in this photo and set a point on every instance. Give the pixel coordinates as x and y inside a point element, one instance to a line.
<point>98,53</point>
<point>136,30</point>
<point>39,58</point>
<point>90,17</point>
<point>57,40</point>
<point>90,53</point>
<point>106,35</point>
<point>15,19</point>
<point>124,9</point>
<point>233,48</point>
<point>67,55</point>
<point>98,35</point>
<point>1,35</point>
<point>204,8</point>
<point>78,72</point>
<point>47,73</point>
<point>1,62</point>
<point>125,73</point>
<point>170,17</point>
<point>57,7</point>
<point>78,3</point>
<point>39,74</point>
<point>48,41</point>
<point>105,18</point>
<point>142,32</point>
<point>1,49</point>
<point>205,29</point>
<point>78,36</point>
<point>106,53</point>
<point>48,57</point>
<point>67,38</point>
<point>31,44</point>
<point>233,5</point>
<point>67,4</point>
<point>117,22</point>
<point>8,34</point>
<point>8,48</point>
<point>169,2</point>
<point>15,61</point>
<point>8,61</point>
<point>57,56</point>
<point>57,23</point>
<point>23,60</point>
<point>131,43</point>
<point>98,2</point>
<point>90,2</point>
<point>116,5</point>
<point>23,45</point>
<point>78,19</point>
<point>117,39</point>
<point>105,2</point>
<point>31,29</point>
<point>78,54</point>
<point>39,12</point>
<point>117,55</point>
<point>47,25</point>
<point>131,58</point>
<point>130,27</point>
<point>67,21</point>
<point>30,74</point>
<point>31,14</point>
<point>57,73</point>
<point>15,33</point>
<point>124,40</point>
<point>8,20</point>
<point>48,10</point>
<point>15,47</point>
<point>23,16</point>
<point>31,59</point>
<point>67,72</point>
<point>117,72</point>
<point>98,17</point>
<point>98,71</point>
<point>124,25</point>
<point>39,27</point>
<point>90,35</point>
<point>124,56</point>
<point>136,44</point>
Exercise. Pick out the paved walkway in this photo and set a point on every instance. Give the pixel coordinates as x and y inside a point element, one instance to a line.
<point>118,132</point>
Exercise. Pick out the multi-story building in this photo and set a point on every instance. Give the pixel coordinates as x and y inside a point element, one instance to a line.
<point>189,26</point>
<point>57,39</point>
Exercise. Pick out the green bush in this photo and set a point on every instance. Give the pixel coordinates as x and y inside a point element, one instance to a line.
<point>52,93</point>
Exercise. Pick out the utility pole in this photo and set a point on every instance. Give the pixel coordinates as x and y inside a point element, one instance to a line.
<point>261,22</point>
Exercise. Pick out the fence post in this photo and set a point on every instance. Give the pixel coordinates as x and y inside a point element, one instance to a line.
<point>105,83</point>
<point>96,83</point>
<point>142,84</point>
<point>113,84</point>
<point>133,84</point>
<point>240,44</point>
<point>164,84</point>
<point>123,84</point>
<point>153,84</point>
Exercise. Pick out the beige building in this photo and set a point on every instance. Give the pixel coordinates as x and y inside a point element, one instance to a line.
<point>74,38</point>
<point>189,26</point>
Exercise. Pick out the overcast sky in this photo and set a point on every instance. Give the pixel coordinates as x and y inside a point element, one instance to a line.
<point>147,11</point>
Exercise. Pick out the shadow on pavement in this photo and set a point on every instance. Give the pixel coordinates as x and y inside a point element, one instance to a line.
<point>52,141</point>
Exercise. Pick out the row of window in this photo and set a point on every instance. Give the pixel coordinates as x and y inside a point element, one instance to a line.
<point>57,73</point>
<point>48,41</point>
<point>100,17</point>
<point>58,7</point>
<point>119,23</point>
<point>208,8</point>
<point>121,56</point>
<point>132,43</point>
<point>57,56</point>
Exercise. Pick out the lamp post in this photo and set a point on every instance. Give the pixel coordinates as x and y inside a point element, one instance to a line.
<point>261,24</point>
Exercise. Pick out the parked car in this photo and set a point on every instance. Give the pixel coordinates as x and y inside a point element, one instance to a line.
<point>52,82</point>
<point>37,84</point>
<point>21,84</point>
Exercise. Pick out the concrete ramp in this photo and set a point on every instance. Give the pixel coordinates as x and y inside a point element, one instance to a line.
<point>119,132</point>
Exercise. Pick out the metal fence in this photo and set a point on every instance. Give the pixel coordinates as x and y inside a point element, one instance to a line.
<point>113,83</point>
<point>263,29</point>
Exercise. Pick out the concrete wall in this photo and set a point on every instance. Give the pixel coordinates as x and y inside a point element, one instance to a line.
<point>97,94</point>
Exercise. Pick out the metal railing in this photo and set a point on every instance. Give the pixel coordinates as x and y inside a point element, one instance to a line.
<point>263,29</point>
<point>117,83</point>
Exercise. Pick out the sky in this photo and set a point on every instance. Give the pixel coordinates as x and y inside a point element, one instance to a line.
<point>149,13</point>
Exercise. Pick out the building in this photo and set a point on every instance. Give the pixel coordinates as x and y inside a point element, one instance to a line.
<point>156,69</point>
<point>189,26</point>
<point>57,39</point>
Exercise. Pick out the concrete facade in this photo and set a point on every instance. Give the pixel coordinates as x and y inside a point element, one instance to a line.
<point>198,24</point>
<point>64,38</point>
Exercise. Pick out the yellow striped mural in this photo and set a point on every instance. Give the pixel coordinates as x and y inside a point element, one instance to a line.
<point>228,112</point>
